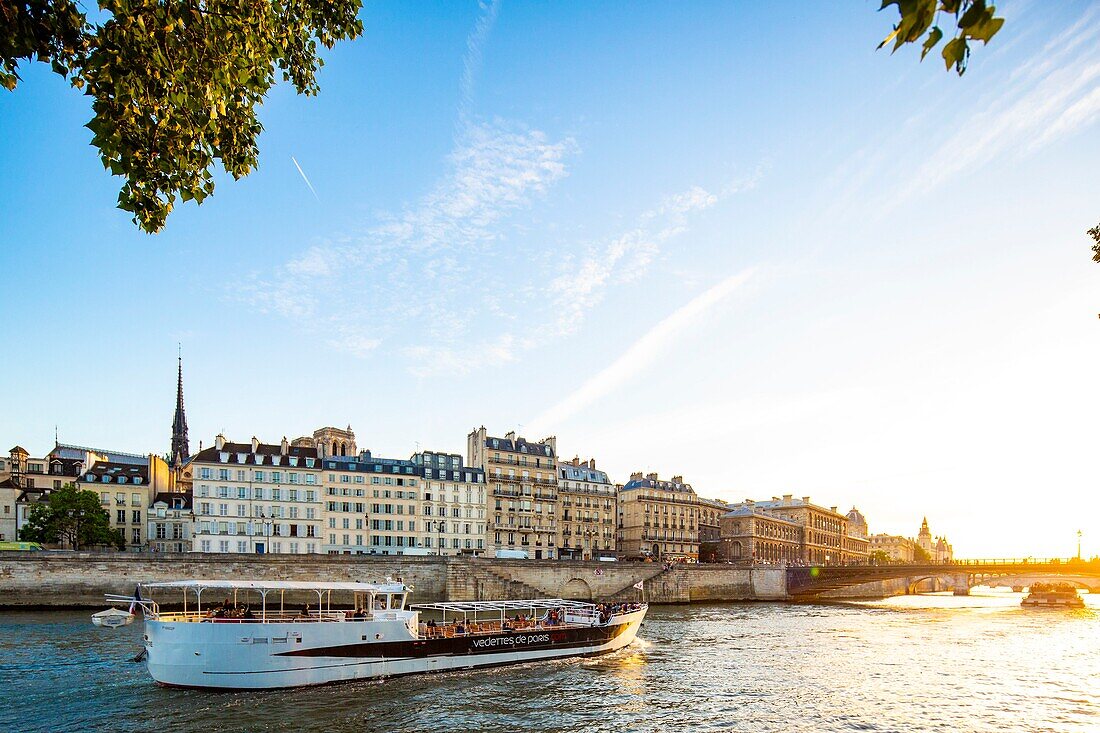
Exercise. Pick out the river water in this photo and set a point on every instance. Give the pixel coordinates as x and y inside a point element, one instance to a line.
<point>911,663</point>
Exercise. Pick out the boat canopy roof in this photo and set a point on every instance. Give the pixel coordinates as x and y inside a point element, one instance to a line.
<point>268,585</point>
<point>488,606</point>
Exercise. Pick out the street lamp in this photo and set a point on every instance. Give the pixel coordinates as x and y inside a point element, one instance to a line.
<point>1078,544</point>
<point>440,527</point>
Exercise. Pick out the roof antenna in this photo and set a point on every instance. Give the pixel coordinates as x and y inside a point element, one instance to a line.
<point>56,443</point>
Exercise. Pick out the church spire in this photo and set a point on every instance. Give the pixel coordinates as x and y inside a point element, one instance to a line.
<point>181,449</point>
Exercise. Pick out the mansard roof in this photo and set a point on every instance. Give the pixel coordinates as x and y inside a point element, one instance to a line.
<point>121,473</point>
<point>519,445</point>
<point>265,454</point>
<point>651,482</point>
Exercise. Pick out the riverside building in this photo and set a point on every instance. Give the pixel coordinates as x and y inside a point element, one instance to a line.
<point>789,529</point>
<point>522,487</point>
<point>257,498</point>
<point>371,504</point>
<point>453,512</point>
<point>587,510</point>
<point>171,521</point>
<point>126,489</point>
<point>658,519</point>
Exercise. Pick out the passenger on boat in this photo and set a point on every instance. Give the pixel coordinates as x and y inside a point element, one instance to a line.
<point>460,629</point>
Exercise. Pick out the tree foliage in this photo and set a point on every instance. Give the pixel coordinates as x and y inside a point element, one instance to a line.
<point>1095,234</point>
<point>973,20</point>
<point>175,84</point>
<point>71,517</point>
<point>921,555</point>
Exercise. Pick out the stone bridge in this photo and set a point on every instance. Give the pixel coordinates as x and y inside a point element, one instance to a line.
<point>808,582</point>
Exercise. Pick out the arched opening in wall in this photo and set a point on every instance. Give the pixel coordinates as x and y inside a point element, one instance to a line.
<point>334,447</point>
<point>735,550</point>
<point>576,590</point>
<point>343,449</point>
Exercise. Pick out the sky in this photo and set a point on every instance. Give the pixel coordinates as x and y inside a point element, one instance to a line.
<point>726,241</point>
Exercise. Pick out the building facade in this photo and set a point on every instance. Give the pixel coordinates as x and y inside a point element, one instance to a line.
<point>522,490</point>
<point>587,511</point>
<point>171,522</point>
<point>454,509</point>
<point>126,490</point>
<point>895,547</point>
<point>658,519</point>
<point>371,503</point>
<point>257,498</point>
<point>792,530</point>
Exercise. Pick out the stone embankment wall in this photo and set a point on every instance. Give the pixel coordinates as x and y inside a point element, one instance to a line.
<point>80,579</point>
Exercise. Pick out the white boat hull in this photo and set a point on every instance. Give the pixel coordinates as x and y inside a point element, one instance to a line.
<point>296,653</point>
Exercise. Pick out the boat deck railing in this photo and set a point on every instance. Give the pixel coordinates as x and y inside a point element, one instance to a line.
<point>270,617</point>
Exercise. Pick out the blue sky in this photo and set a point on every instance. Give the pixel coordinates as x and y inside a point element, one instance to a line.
<point>722,240</point>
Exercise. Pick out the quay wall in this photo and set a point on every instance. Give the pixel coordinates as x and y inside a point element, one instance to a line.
<point>79,579</point>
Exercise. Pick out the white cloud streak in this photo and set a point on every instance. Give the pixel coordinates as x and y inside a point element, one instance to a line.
<point>306,179</point>
<point>641,354</point>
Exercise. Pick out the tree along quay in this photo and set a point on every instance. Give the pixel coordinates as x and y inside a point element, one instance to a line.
<point>80,579</point>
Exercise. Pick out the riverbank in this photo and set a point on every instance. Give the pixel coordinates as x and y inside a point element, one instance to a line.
<point>79,579</point>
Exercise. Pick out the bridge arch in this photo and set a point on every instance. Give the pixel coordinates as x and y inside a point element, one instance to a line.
<point>576,589</point>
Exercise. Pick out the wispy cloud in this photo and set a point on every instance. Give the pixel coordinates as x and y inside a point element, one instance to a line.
<point>1051,95</point>
<point>471,62</point>
<point>650,347</point>
<point>582,284</point>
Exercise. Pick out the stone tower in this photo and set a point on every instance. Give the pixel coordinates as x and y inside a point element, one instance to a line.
<point>924,538</point>
<point>181,449</point>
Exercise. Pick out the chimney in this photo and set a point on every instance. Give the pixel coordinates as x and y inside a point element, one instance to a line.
<point>651,476</point>
<point>576,460</point>
<point>592,463</point>
<point>775,498</point>
<point>636,476</point>
<point>284,448</point>
<point>677,479</point>
<point>787,497</point>
<point>805,500</point>
<point>510,435</point>
<point>255,444</point>
<point>832,509</point>
<point>219,441</point>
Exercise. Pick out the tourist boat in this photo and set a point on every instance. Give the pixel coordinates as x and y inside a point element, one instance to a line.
<point>259,634</point>
<point>113,618</point>
<point>1055,595</point>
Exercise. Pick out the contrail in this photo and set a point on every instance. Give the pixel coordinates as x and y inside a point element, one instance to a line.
<point>306,179</point>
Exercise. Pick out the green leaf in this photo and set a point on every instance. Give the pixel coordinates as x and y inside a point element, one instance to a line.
<point>973,14</point>
<point>954,53</point>
<point>934,37</point>
<point>985,29</point>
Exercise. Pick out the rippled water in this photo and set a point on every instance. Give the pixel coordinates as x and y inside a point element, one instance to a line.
<point>916,663</point>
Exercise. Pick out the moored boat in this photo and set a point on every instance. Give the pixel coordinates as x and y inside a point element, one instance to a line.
<point>1053,595</point>
<point>113,618</point>
<point>256,638</point>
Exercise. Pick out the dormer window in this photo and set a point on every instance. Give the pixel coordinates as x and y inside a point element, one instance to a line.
<point>137,479</point>
<point>309,462</point>
<point>106,479</point>
<point>122,479</point>
<point>223,457</point>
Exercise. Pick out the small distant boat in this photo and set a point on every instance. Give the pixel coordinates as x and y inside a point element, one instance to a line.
<point>112,618</point>
<point>1053,595</point>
